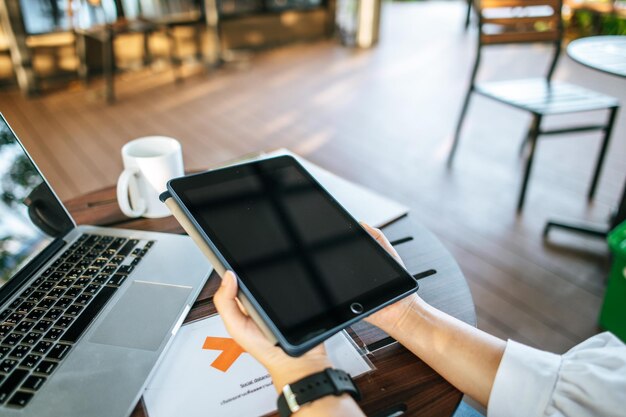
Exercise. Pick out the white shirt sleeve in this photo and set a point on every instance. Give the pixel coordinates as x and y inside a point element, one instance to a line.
<point>588,380</point>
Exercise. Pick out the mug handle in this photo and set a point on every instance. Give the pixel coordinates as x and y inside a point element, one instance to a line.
<point>127,184</point>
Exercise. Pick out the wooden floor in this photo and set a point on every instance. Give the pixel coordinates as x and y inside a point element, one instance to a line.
<point>382,118</point>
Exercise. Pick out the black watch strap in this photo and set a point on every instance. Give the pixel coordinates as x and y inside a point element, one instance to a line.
<point>328,382</point>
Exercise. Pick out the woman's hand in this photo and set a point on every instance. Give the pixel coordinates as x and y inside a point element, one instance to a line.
<point>467,357</point>
<point>284,369</point>
<point>390,317</point>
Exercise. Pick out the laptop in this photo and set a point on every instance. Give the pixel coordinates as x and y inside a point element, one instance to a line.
<point>85,312</point>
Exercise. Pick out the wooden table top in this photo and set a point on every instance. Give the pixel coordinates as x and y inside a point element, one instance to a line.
<point>401,381</point>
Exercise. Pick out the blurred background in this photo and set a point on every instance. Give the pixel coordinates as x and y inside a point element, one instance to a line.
<point>370,90</point>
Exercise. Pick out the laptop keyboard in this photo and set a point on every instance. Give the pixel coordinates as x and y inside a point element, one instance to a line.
<point>39,327</point>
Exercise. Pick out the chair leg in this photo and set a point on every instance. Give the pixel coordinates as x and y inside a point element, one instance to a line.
<point>459,125</point>
<point>175,60</point>
<point>605,144</point>
<point>529,162</point>
<point>197,37</point>
<point>620,214</point>
<point>469,13</point>
<point>108,61</point>
<point>147,52</point>
<point>526,139</point>
<point>583,229</point>
<point>83,70</point>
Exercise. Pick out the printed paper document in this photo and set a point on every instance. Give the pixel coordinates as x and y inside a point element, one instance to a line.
<point>205,373</point>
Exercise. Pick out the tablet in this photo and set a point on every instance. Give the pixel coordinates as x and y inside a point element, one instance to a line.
<point>303,262</point>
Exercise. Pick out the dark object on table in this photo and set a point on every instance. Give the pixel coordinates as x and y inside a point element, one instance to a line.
<point>540,22</point>
<point>45,213</point>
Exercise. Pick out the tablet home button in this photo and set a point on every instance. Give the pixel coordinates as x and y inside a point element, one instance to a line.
<point>356,308</point>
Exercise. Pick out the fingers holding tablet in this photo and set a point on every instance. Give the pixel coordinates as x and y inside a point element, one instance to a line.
<point>382,239</point>
<point>283,368</point>
<point>238,324</point>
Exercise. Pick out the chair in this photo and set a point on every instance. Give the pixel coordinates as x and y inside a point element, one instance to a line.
<point>169,15</point>
<point>26,38</point>
<point>530,21</point>
<point>103,21</point>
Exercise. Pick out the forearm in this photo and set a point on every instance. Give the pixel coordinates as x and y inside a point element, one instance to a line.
<point>466,357</point>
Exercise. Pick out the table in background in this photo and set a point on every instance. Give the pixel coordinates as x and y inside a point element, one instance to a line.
<point>606,54</point>
<point>401,381</point>
<point>601,53</point>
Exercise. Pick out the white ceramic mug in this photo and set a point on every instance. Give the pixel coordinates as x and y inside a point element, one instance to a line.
<point>149,163</point>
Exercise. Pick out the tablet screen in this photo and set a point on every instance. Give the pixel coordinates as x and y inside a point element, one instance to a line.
<point>304,259</point>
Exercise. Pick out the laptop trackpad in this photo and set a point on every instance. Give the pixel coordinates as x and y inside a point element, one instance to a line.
<point>143,316</point>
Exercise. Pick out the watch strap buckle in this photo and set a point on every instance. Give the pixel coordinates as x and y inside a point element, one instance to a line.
<point>290,399</point>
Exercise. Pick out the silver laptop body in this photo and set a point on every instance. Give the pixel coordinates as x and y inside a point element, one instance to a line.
<point>141,295</point>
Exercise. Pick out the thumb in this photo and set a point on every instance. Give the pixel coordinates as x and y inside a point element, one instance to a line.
<point>229,285</point>
<point>226,302</point>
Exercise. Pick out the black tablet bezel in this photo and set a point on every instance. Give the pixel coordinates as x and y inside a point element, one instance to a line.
<point>321,327</point>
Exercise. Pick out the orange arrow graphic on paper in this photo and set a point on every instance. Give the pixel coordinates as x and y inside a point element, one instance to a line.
<point>230,351</point>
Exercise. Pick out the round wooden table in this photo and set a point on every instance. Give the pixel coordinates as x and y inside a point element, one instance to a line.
<point>401,381</point>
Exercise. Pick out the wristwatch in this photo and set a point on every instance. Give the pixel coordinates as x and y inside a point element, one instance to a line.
<point>308,389</point>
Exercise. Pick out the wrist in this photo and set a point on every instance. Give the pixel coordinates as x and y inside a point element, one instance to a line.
<point>412,321</point>
<point>312,392</point>
<point>294,369</point>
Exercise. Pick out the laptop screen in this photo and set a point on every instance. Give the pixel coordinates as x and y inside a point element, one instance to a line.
<point>31,216</point>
